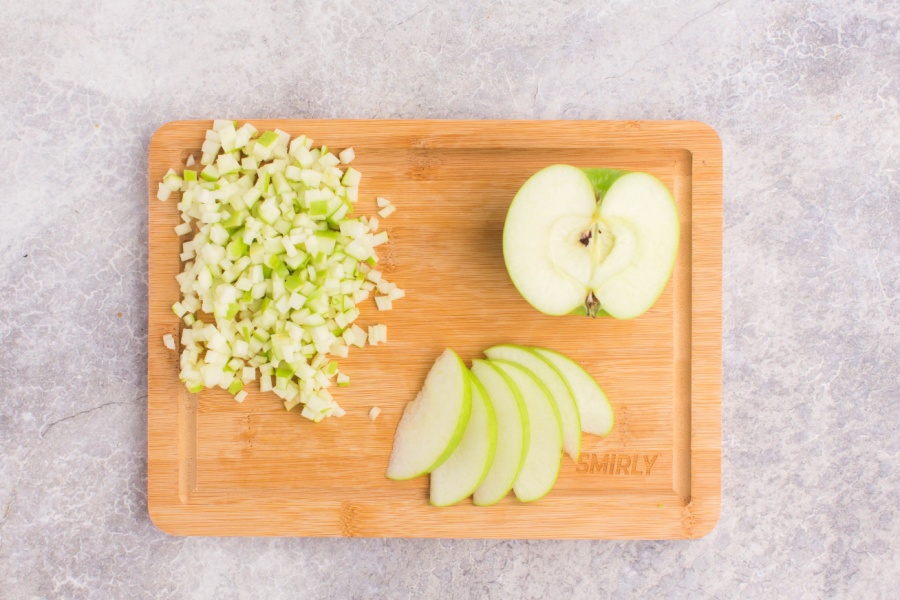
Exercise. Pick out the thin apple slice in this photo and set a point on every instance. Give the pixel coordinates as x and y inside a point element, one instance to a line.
<point>513,433</point>
<point>467,467</point>
<point>593,407</point>
<point>433,424</point>
<point>556,385</point>
<point>545,445</point>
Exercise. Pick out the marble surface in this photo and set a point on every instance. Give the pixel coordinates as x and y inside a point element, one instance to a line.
<point>804,95</point>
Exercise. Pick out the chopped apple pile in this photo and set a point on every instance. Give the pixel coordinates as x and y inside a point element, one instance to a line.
<point>501,426</point>
<point>591,241</point>
<point>277,263</point>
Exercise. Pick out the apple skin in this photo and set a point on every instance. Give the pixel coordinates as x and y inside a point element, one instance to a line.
<point>581,311</point>
<point>602,179</point>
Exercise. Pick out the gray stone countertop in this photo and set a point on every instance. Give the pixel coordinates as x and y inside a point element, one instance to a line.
<point>805,97</point>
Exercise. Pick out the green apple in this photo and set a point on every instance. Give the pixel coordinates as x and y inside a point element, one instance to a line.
<point>513,433</point>
<point>591,241</point>
<point>593,407</point>
<point>433,424</point>
<point>556,385</point>
<point>545,443</point>
<point>467,467</point>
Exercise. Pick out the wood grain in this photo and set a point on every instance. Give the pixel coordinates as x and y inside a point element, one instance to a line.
<point>217,467</point>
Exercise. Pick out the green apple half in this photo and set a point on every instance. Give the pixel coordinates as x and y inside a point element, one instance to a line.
<point>433,424</point>
<point>467,467</point>
<point>591,241</point>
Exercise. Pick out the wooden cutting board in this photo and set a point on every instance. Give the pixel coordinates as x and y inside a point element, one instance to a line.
<point>217,467</point>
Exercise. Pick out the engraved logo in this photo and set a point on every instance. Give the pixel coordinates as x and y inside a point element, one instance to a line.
<point>616,464</point>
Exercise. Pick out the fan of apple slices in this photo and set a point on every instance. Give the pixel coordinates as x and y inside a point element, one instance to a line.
<point>500,426</point>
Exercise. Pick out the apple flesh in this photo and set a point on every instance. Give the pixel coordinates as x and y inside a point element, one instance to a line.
<point>591,241</point>
<point>433,424</point>
<point>467,467</point>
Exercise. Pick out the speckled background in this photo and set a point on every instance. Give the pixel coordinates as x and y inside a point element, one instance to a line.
<point>804,95</point>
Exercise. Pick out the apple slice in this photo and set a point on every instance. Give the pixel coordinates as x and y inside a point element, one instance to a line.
<point>512,433</point>
<point>467,467</point>
<point>556,385</point>
<point>545,442</point>
<point>593,407</point>
<point>591,241</point>
<point>433,424</point>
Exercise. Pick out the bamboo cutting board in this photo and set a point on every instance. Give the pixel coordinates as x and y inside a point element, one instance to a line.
<point>217,467</point>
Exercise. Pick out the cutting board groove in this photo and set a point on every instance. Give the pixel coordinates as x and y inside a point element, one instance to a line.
<point>220,468</point>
